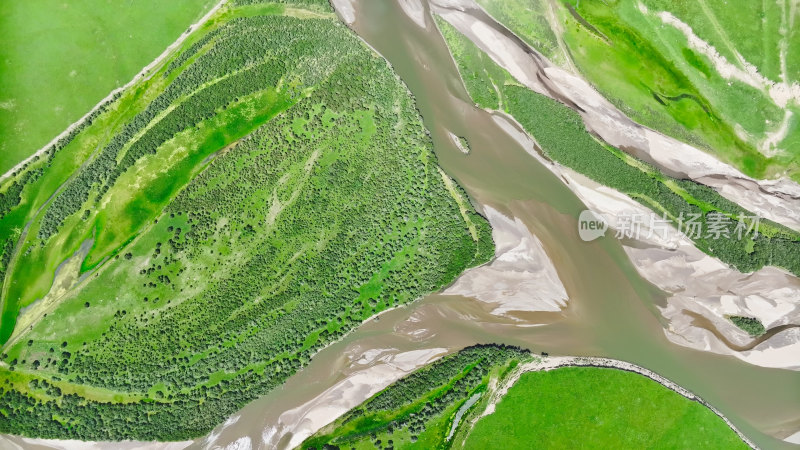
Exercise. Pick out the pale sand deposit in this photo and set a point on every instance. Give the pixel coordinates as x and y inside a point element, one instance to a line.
<point>9,442</point>
<point>415,10</point>
<point>794,439</point>
<point>346,10</point>
<point>698,283</point>
<point>777,200</point>
<point>520,278</point>
<point>703,287</point>
<point>457,142</point>
<point>383,367</point>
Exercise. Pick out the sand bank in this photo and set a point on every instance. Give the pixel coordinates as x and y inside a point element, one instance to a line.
<point>380,368</point>
<point>415,10</point>
<point>520,278</point>
<point>706,292</point>
<point>777,200</point>
<point>698,284</point>
<point>9,442</point>
<point>346,10</point>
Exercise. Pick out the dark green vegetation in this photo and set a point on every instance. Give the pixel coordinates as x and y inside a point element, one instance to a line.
<point>589,407</point>
<point>635,54</point>
<point>482,77</point>
<point>421,409</point>
<point>58,59</point>
<point>564,139</point>
<point>528,20</point>
<point>462,143</point>
<point>442,406</point>
<point>269,188</point>
<point>751,325</point>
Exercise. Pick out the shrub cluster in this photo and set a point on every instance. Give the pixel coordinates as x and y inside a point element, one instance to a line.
<point>330,212</point>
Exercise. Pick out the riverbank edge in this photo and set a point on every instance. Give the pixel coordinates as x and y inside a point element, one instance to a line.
<point>144,74</point>
<point>547,363</point>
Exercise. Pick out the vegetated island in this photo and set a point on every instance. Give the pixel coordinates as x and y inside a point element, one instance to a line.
<point>494,396</point>
<point>751,325</point>
<point>266,190</point>
<point>724,229</point>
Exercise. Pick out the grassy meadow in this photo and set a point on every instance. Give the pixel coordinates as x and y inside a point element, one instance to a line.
<point>637,56</point>
<point>58,59</point>
<point>445,405</point>
<point>210,229</point>
<point>589,407</point>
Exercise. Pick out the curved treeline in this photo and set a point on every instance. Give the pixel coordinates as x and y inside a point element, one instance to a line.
<point>495,396</point>
<point>330,211</point>
<point>422,408</point>
<point>237,67</point>
<point>563,137</point>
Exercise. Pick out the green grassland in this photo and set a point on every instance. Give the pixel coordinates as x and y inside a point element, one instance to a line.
<point>442,406</point>
<point>209,230</point>
<point>589,407</point>
<point>424,409</point>
<point>563,138</point>
<point>483,78</point>
<point>58,59</point>
<point>649,70</point>
<point>528,20</point>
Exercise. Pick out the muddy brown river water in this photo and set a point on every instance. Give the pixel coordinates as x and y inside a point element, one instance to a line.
<point>611,312</point>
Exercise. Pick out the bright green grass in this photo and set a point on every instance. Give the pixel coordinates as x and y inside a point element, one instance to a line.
<point>750,28</point>
<point>438,406</point>
<point>58,59</point>
<point>124,211</point>
<point>646,68</point>
<point>528,20</point>
<point>563,138</point>
<point>598,408</point>
<point>250,203</point>
<point>647,59</point>
<point>427,409</point>
<point>121,214</point>
<point>483,78</point>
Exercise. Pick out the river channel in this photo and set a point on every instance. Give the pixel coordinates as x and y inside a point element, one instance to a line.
<point>612,311</point>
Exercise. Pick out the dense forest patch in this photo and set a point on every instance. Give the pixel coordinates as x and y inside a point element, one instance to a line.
<point>424,409</point>
<point>718,226</point>
<point>494,396</point>
<point>267,190</point>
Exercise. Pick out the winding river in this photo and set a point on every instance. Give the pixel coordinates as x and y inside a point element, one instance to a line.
<point>611,312</point>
